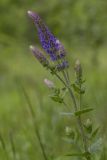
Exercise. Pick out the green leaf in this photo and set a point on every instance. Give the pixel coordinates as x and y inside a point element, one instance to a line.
<point>83,81</point>
<point>78,113</point>
<point>95,132</point>
<point>76,88</point>
<point>57,99</point>
<point>64,89</point>
<point>82,91</point>
<point>88,129</point>
<point>57,91</point>
<point>76,154</point>
<point>63,92</point>
<point>85,154</point>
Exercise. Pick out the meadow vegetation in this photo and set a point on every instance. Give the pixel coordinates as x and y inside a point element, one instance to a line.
<point>82,27</point>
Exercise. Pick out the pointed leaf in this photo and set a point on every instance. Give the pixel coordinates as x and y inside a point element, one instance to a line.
<point>76,154</point>
<point>78,113</point>
<point>95,132</point>
<point>57,99</point>
<point>76,88</point>
<point>85,154</point>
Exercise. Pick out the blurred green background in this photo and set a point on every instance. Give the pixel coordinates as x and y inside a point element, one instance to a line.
<point>82,27</point>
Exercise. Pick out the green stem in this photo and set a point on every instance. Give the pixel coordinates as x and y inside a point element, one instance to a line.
<point>67,84</point>
<point>79,117</point>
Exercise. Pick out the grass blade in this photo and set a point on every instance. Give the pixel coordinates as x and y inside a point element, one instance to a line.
<point>12,146</point>
<point>34,121</point>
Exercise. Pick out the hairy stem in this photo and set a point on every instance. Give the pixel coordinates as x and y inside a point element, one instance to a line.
<point>80,124</point>
<point>79,121</point>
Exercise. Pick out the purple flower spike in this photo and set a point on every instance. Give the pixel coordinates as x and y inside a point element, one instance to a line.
<point>40,57</point>
<point>49,43</point>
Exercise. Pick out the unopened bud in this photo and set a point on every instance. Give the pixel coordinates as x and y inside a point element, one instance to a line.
<point>88,125</point>
<point>40,56</point>
<point>49,83</point>
<point>78,69</point>
<point>70,132</point>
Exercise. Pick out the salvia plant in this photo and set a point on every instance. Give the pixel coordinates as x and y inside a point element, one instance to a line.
<point>54,58</point>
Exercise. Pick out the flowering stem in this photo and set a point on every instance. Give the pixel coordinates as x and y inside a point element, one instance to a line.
<point>56,51</point>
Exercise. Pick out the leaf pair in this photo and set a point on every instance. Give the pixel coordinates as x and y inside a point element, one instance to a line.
<point>78,113</point>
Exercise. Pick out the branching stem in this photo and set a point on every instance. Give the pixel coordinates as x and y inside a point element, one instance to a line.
<point>80,124</point>
<point>79,121</point>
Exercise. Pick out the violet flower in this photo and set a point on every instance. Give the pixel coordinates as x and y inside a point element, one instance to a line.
<point>62,66</point>
<point>49,43</point>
